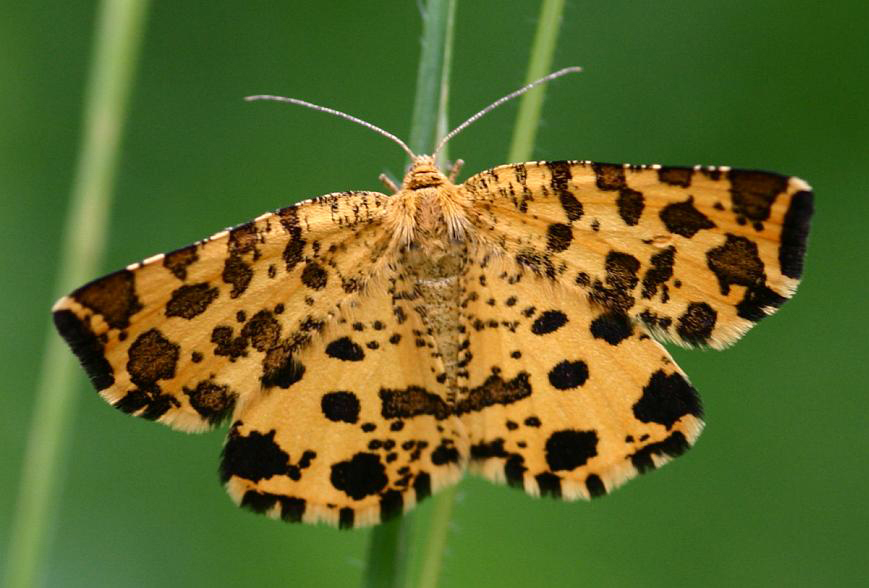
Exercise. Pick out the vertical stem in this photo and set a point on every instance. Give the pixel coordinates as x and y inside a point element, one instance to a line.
<point>432,83</point>
<point>437,532</point>
<point>387,551</point>
<point>387,554</point>
<point>522,145</point>
<point>114,55</point>
<point>436,539</point>
<point>539,64</point>
<point>442,126</point>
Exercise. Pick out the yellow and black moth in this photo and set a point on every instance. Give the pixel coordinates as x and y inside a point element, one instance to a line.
<point>367,349</point>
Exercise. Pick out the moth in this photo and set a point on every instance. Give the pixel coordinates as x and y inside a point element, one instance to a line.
<point>367,349</point>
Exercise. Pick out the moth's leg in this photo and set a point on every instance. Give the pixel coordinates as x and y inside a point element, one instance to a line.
<point>387,181</point>
<point>454,171</point>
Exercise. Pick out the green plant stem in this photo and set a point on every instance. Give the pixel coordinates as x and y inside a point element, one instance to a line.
<point>524,135</point>
<point>442,126</point>
<point>432,81</point>
<point>539,64</point>
<point>436,537</point>
<point>387,551</point>
<point>115,52</point>
<point>435,540</point>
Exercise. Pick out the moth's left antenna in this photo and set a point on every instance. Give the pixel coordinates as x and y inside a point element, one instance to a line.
<point>337,113</point>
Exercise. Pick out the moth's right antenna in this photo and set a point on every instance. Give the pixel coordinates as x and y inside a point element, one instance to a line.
<point>337,113</point>
<point>500,101</point>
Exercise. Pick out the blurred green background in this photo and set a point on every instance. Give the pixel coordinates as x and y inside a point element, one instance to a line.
<point>773,493</point>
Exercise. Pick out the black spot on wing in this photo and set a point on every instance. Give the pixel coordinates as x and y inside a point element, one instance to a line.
<point>191,300</point>
<point>445,453</point>
<point>521,174</point>
<point>86,346</point>
<point>736,262</point>
<point>213,401</point>
<point>795,232</point>
<point>151,401</point>
<point>345,349</point>
<point>262,330</point>
<point>258,502</point>
<point>595,486</point>
<point>412,401</point>
<point>682,218</point>
<point>391,505</point>
<point>514,464</point>
<point>422,486</point>
<point>757,302</point>
<point>569,449</point>
<point>621,270</point>
<point>253,457</point>
<point>289,218</point>
<point>753,193</point>
<point>666,399</point>
<point>236,273</point>
<point>113,297</point>
<point>660,270</point>
<point>567,375</point>
<point>621,278</point>
<point>514,470</point>
<point>291,508</point>
<point>488,449</point>
<point>630,204</point>
<point>549,484</point>
<point>151,357</point>
<point>243,239</point>
<point>346,518</point>
<point>495,390</point>
<point>613,327</point>
<point>655,321</point>
<point>696,324</point>
<point>178,260</point>
<point>540,264</point>
<point>609,176</point>
<point>314,276</point>
<point>561,176</point>
<point>713,173</point>
<point>676,176</point>
<point>280,368</point>
<point>361,476</point>
<point>548,322</point>
<point>340,406</point>
<point>558,237</point>
<point>226,344</point>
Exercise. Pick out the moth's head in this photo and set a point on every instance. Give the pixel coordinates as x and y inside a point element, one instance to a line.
<point>423,173</point>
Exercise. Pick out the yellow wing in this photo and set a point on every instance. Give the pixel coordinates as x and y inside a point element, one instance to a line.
<point>698,255</point>
<point>363,435</point>
<point>549,404</point>
<point>186,337</point>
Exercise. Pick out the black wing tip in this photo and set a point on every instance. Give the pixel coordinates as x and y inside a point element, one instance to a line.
<point>795,233</point>
<point>86,346</point>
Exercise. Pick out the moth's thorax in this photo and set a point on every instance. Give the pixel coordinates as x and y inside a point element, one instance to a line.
<point>428,211</point>
<point>430,217</point>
